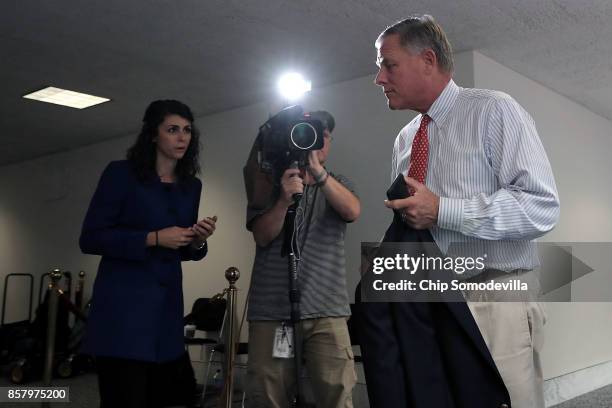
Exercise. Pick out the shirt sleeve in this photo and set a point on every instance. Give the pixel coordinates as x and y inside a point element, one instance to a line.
<point>346,182</point>
<point>102,233</point>
<point>188,253</point>
<point>251,214</point>
<point>526,205</point>
<point>252,211</point>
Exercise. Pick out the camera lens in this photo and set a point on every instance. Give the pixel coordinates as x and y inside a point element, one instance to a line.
<point>303,135</point>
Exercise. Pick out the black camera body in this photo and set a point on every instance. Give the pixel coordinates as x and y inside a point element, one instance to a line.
<point>284,141</point>
<point>287,138</point>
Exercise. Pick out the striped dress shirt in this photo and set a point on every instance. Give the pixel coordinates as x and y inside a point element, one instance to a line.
<point>489,168</point>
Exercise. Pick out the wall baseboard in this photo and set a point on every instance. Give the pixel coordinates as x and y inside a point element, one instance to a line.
<point>572,385</point>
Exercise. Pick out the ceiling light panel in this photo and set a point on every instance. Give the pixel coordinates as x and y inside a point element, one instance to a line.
<point>65,97</point>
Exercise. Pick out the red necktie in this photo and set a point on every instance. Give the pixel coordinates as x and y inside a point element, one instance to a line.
<point>420,152</point>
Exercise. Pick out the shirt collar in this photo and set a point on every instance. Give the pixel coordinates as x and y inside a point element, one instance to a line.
<point>439,110</point>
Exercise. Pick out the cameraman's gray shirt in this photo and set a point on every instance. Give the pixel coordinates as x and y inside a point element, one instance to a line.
<point>321,269</point>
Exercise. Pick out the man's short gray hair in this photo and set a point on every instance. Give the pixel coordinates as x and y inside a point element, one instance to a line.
<point>420,32</point>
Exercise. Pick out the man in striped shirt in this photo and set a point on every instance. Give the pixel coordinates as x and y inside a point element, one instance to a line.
<point>328,203</point>
<point>486,179</point>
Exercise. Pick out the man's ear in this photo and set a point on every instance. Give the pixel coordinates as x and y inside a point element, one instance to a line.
<point>429,58</point>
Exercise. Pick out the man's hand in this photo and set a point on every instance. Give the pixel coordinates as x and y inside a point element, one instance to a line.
<point>315,167</point>
<point>420,210</point>
<point>291,183</point>
<point>268,225</point>
<point>175,237</point>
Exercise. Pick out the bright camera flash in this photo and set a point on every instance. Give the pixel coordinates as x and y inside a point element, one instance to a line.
<point>292,86</point>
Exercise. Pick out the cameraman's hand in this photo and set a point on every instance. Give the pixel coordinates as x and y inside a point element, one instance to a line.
<point>291,183</point>
<point>268,225</point>
<point>314,165</point>
<point>175,237</point>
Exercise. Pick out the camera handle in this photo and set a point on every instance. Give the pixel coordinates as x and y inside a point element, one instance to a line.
<point>296,196</point>
<point>289,244</point>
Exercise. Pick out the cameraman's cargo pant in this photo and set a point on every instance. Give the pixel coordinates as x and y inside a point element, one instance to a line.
<point>328,359</point>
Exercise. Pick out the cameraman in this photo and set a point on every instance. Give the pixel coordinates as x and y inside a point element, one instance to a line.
<point>327,204</point>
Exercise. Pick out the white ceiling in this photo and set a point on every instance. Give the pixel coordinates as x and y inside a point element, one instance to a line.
<point>216,55</point>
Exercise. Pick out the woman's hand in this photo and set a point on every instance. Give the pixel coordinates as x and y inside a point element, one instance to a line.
<point>203,230</point>
<point>175,237</point>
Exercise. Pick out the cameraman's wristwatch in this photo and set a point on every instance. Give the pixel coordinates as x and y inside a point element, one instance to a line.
<point>321,178</point>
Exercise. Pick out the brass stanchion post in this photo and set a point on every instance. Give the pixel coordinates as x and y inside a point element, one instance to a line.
<point>231,274</point>
<point>55,275</point>
<point>78,292</point>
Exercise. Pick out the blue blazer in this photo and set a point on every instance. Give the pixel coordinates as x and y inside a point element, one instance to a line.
<point>426,354</point>
<point>137,303</point>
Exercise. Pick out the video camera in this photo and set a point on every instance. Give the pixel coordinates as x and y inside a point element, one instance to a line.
<point>284,141</point>
<point>286,138</point>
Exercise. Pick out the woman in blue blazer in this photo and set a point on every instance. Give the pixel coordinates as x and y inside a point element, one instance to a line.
<point>142,220</point>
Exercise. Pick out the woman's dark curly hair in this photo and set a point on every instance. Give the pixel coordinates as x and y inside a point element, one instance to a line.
<point>143,154</point>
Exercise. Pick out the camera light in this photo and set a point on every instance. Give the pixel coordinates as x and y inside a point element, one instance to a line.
<point>292,86</point>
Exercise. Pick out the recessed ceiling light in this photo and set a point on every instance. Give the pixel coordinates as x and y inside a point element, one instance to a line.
<point>65,97</point>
